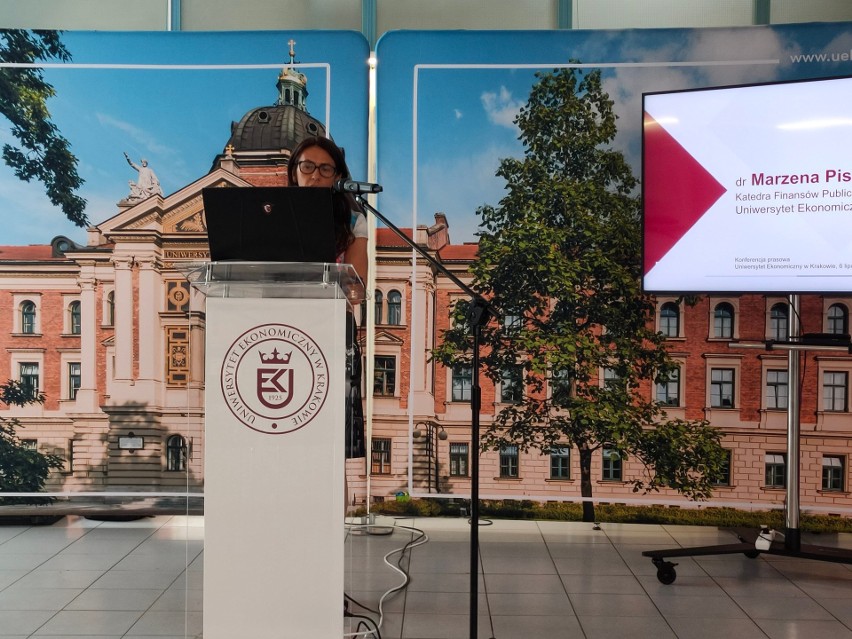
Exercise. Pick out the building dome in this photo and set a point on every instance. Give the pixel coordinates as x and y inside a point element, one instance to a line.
<point>273,128</point>
<point>281,126</point>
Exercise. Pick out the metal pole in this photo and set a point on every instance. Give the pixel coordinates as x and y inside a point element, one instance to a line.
<point>435,439</point>
<point>792,537</point>
<point>475,401</point>
<point>429,455</point>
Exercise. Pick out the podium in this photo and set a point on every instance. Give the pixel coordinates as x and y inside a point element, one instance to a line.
<point>274,447</point>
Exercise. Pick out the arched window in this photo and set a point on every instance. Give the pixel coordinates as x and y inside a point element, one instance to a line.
<point>779,322</point>
<point>377,300</point>
<point>176,453</point>
<point>74,318</point>
<point>670,320</point>
<point>110,308</point>
<point>723,321</point>
<point>394,307</point>
<point>838,319</point>
<point>28,317</point>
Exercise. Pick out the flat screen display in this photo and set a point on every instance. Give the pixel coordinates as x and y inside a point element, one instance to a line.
<point>748,189</point>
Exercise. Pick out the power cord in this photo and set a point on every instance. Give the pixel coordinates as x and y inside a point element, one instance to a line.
<point>372,529</point>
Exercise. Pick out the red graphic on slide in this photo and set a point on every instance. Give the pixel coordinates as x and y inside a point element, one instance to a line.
<point>677,192</point>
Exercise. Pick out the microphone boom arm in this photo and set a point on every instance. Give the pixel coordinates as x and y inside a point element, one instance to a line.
<point>480,301</point>
<point>480,311</point>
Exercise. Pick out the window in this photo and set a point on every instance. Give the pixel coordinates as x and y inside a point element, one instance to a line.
<point>776,470</point>
<point>512,323</point>
<point>461,383</point>
<point>670,320</point>
<point>460,315</point>
<point>611,466</point>
<point>560,386</point>
<point>73,379</point>
<point>837,320</point>
<point>110,308</point>
<point>560,463</point>
<point>779,322</point>
<point>28,318</point>
<point>377,301</point>
<point>458,460</point>
<point>832,472</point>
<point>74,318</point>
<point>668,389</point>
<point>776,389</point>
<point>394,307</point>
<point>723,321</point>
<point>176,453</point>
<point>611,379</point>
<point>721,388</point>
<point>512,385</point>
<point>834,391</point>
<point>384,376</point>
<point>29,378</point>
<point>724,477</point>
<point>509,461</point>
<point>381,456</point>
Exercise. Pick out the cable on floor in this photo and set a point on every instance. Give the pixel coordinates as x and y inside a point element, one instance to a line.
<point>420,539</point>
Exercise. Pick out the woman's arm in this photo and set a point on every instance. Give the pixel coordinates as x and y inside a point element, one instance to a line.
<point>356,255</point>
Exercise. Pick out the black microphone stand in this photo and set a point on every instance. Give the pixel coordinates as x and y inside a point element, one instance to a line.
<point>481,310</point>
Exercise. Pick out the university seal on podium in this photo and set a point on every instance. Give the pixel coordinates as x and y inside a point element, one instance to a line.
<point>274,378</point>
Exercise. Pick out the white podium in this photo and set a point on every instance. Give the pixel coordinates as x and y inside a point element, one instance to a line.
<point>274,453</point>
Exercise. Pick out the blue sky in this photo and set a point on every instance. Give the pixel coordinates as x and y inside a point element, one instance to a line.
<point>470,85</point>
<point>179,119</point>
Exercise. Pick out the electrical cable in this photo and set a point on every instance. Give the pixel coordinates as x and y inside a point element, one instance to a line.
<point>420,538</point>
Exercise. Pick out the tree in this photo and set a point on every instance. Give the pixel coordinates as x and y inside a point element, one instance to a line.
<point>22,469</point>
<point>560,256</point>
<point>42,153</point>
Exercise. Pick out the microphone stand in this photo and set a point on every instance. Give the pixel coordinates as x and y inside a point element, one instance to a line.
<point>480,312</point>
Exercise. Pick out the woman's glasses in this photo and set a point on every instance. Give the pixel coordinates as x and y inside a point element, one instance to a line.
<point>307,167</point>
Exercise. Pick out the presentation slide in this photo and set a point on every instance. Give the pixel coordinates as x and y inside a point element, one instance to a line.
<point>749,189</point>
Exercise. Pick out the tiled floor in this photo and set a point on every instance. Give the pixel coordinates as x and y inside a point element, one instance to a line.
<point>142,580</point>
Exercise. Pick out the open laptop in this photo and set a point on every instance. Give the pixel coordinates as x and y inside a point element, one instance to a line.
<point>269,224</point>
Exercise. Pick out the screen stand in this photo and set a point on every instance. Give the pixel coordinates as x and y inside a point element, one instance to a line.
<point>752,544</point>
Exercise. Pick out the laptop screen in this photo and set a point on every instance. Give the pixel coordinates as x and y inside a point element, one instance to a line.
<point>269,224</point>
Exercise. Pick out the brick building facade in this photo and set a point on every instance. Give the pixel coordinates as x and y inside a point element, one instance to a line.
<point>113,335</point>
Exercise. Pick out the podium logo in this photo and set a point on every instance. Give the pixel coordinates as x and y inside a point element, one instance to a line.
<point>274,379</point>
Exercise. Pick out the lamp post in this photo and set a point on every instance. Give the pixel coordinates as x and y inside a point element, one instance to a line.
<point>429,430</point>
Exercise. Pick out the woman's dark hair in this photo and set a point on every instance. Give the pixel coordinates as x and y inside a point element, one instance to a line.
<point>344,204</point>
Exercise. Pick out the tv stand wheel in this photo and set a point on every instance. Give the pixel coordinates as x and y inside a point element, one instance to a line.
<point>752,554</point>
<point>666,573</point>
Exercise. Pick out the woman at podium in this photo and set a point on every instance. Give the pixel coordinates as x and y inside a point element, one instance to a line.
<point>319,162</point>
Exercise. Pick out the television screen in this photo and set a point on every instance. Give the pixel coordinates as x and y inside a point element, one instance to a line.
<point>748,189</point>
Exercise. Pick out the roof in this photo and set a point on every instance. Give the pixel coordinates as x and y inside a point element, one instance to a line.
<point>459,252</point>
<point>387,238</point>
<point>273,128</point>
<point>28,253</point>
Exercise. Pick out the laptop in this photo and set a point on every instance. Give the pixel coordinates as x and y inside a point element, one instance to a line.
<point>269,224</point>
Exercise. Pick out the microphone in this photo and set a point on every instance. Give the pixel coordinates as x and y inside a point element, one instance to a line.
<point>351,186</point>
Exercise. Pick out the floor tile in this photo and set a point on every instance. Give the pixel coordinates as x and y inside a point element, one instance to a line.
<point>144,579</point>
<point>602,627</point>
<point>88,623</point>
<point>115,599</point>
<point>792,629</point>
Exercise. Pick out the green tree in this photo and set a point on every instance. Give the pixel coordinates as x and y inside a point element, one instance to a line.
<point>42,153</point>
<point>560,256</point>
<point>22,469</point>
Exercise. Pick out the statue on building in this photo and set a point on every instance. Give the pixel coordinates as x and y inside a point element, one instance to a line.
<point>147,184</point>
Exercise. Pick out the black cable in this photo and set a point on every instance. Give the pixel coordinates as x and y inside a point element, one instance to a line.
<point>355,528</point>
<point>359,604</point>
